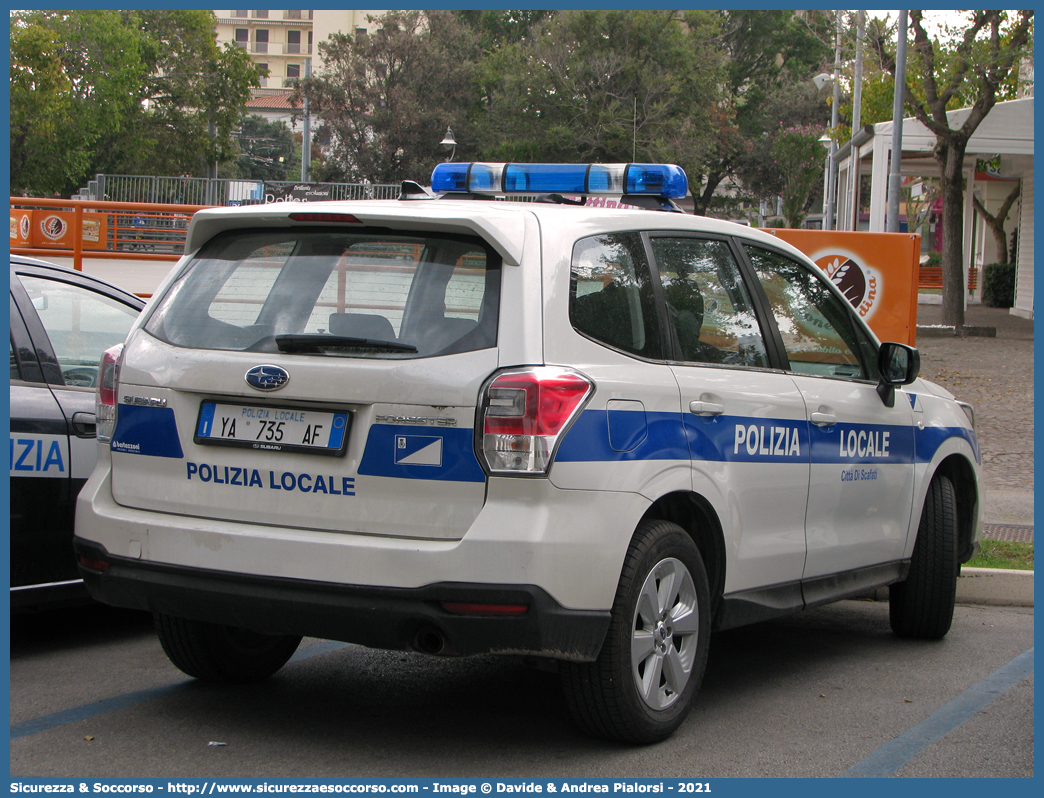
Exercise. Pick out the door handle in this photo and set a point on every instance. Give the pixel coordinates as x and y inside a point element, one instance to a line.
<point>84,425</point>
<point>706,408</point>
<point>823,419</point>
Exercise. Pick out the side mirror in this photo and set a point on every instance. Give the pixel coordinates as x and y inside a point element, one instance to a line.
<point>898,364</point>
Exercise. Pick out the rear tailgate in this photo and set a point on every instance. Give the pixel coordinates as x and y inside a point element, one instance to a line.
<point>322,377</point>
<point>408,466</point>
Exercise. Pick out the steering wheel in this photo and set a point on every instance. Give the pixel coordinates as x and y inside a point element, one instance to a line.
<point>80,376</point>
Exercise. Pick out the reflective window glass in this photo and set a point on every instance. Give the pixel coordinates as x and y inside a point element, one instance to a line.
<point>708,305</point>
<point>348,294</point>
<point>817,326</point>
<point>81,324</point>
<point>611,298</point>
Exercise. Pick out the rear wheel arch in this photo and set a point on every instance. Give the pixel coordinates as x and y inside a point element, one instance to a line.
<point>693,513</point>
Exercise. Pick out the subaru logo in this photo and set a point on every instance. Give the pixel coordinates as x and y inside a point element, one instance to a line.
<point>267,378</point>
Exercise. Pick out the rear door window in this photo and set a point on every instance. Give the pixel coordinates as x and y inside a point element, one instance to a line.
<point>339,293</point>
<point>80,323</point>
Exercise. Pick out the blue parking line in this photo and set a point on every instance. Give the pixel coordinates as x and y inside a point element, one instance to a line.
<point>890,757</point>
<point>106,705</point>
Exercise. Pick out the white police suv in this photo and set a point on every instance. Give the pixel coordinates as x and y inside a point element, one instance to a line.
<point>457,426</point>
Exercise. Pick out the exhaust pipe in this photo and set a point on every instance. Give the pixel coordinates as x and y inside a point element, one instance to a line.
<point>429,641</point>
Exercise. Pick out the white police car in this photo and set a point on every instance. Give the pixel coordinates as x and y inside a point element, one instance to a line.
<point>465,426</point>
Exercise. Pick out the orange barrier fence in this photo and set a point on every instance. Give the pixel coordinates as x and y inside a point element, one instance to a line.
<point>82,228</point>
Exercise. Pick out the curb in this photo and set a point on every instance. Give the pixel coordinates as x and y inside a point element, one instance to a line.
<point>997,587</point>
<point>942,331</point>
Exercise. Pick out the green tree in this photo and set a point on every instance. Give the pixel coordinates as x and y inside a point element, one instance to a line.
<point>601,86</point>
<point>795,104</point>
<point>879,86</point>
<point>192,99</point>
<point>385,99</point>
<point>973,73</point>
<point>120,91</point>
<point>75,78</point>
<point>497,28</point>
<point>267,151</point>
<point>799,157</point>
<point>768,60</point>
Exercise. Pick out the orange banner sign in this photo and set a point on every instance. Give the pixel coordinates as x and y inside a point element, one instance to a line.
<point>21,228</point>
<point>877,273</point>
<point>53,229</point>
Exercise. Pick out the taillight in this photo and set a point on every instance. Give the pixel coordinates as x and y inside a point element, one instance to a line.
<point>523,414</point>
<point>108,387</point>
<point>94,565</point>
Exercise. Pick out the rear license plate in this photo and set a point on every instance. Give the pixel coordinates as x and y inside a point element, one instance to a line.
<point>275,429</point>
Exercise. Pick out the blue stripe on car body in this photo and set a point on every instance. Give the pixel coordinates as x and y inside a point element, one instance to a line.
<point>152,431</point>
<point>459,461</point>
<point>673,435</point>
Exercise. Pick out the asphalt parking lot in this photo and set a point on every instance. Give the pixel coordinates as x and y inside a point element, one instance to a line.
<point>820,694</point>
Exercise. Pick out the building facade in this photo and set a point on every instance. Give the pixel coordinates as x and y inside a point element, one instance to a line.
<point>283,43</point>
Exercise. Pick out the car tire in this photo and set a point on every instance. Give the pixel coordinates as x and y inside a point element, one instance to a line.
<point>652,662</point>
<point>922,605</point>
<point>211,652</point>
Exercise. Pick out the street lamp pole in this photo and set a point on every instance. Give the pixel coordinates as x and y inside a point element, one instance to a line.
<point>829,221</point>
<point>854,159</point>
<point>894,176</point>
<point>306,132</point>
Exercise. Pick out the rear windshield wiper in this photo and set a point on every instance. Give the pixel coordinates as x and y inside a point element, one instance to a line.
<point>317,342</point>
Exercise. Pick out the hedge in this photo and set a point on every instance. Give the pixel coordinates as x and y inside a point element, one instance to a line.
<point>998,285</point>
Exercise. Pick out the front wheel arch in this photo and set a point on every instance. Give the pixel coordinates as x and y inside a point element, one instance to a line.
<point>959,471</point>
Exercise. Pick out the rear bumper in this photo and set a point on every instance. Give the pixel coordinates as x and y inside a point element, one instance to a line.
<point>569,543</point>
<point>388,618</point>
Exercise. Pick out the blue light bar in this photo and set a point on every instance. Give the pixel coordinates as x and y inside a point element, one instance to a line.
<point>450,177</point>
<point>541,178</point>
<point>662,180</point>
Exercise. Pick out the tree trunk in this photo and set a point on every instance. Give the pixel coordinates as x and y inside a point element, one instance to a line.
<point>996,223</point>
<point>1000,239</point>
<point>701,202</point>
<point>951,158</point>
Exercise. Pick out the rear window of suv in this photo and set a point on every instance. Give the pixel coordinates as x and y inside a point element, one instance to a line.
<point>354,293</point>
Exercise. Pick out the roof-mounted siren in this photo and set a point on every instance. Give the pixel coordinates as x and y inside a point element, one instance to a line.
<point>644,184</point>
